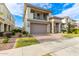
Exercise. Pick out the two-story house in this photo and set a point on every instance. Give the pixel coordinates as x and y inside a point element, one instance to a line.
<point>40,21</point>
<point>7,22</point>
<point>36,20</point>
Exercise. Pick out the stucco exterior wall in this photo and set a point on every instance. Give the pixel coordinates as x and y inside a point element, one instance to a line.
<point>6,18</point>
<point>28,26</point>
<point>29,16</point>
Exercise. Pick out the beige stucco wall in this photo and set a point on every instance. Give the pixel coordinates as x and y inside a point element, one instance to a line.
<point>28,26</point>
<point>6,16</point>
<point>29,16</point>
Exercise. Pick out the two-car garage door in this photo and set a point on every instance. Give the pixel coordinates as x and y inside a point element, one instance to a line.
<point>38,28</point>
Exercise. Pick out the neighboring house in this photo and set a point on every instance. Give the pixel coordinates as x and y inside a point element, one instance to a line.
<point>56,23</point>
<point>36,20</point>
<point>59,24</point>
<point>66,21</point>
<point>7,22</point>
<point>77,24</point>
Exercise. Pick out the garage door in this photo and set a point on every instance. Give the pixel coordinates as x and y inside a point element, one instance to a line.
<point>38,28</point>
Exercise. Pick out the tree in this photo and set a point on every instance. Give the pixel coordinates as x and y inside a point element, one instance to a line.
<point>71,27</point>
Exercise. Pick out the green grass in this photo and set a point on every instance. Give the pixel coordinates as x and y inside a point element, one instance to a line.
<point>20,42</point>
<point>71,35</point>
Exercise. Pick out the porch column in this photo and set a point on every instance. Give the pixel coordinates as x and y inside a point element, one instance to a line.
<point>52,29</point>
<point>2,27</point>
<point>59,27</point>
<point>6,27</point>
<point>48,28</point>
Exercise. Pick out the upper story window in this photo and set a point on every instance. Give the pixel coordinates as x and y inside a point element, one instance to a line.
<point>38,16</point>
<point>33,12</point>
<point>45,16</point>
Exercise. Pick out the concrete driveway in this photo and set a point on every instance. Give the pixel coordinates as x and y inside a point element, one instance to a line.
<point>49,37</point>
<point>68,47</point>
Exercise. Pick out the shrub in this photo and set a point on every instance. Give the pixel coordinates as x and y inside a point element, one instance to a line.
<point>7,34</point>
<point>63,31</point>
<point>24,32</point>
<point>5,40</point>
<point>19,35</point>
<point>76,31</point>
<point>29,35</point>
<point>13,33</point>
<point>1,34</point>
<point>16,30</point>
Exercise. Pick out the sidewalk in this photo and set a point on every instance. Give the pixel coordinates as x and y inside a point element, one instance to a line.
<point>52,47</point>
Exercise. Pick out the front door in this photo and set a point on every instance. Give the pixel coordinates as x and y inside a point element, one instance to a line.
<point>5,27</point>
<point>56,28</point>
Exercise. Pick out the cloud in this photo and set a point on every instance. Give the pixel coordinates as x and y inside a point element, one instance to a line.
<point>17,11</point>
<point>15,8</point>
<point>43,5</point>
<point>72,12</point>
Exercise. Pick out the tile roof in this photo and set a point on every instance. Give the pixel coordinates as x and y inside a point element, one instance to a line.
<point>30,5</point>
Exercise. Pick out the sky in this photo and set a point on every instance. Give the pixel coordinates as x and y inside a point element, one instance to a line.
<point>58,9</point>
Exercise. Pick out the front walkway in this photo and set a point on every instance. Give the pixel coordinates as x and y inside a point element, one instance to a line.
<point>54,48</point>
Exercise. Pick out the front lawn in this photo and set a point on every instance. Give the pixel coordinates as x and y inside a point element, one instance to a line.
<point>20,42</point>
<point>71,35</point>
